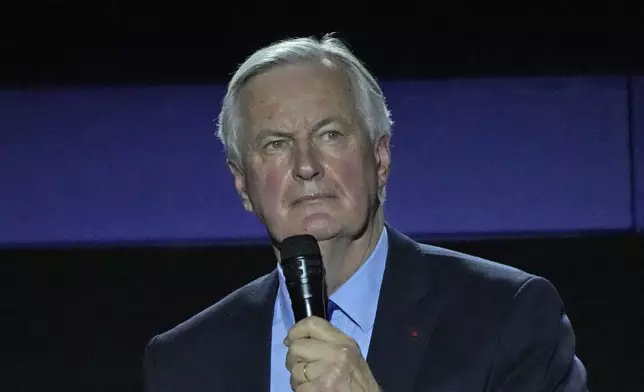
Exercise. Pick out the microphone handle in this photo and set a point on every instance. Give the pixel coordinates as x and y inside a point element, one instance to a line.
<point>306,283</point>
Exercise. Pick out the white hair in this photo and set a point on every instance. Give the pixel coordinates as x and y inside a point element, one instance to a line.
<point>369,99</point>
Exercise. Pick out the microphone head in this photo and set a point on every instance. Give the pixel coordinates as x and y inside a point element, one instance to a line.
<point>298,246</point>
<point>304,272</point>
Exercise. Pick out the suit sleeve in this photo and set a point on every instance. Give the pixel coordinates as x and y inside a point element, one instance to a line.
<point>536,346</point>
<point>150,376</point>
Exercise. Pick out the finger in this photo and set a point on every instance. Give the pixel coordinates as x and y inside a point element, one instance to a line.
<point>315,328</point>
<point>308,350</point>
<point>298,376</point>
<point>304,372</point>
<point>315,369</point>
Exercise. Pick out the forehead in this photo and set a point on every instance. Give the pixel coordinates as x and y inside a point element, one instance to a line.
<point>297,93</point>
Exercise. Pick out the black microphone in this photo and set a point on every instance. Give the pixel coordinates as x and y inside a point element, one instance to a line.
<point>301,262</point>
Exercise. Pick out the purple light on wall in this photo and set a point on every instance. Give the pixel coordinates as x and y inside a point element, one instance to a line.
<point>116,164</point>
<point>510,155</point>
<point>469,156</point>
<point>637,117</point>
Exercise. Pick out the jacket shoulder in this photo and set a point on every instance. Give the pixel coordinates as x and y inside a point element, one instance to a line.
<point>217,320</point>
<point>475,270</point>
<point>490,290</point>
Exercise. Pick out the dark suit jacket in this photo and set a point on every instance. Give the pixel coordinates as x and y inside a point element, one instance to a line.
<point>445,322</point>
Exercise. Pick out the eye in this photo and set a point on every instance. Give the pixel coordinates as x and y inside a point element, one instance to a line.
<point>275,144</point>
<point>331,135</point>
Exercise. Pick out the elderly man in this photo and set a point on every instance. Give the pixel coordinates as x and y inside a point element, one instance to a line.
<point>307,133</point>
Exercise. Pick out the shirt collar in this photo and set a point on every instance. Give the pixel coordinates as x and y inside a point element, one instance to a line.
<point>357,298</point>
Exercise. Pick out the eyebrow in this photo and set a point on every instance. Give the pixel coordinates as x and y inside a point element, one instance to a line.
<point>326,121</point>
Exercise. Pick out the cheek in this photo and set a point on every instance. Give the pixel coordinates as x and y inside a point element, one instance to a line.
<point>268,187</point>
<point>355,179</point>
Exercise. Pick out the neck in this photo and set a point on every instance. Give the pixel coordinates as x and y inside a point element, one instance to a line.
<point>343,256</point>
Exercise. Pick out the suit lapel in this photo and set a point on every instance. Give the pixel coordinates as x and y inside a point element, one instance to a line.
<point>250,363</point>
<point>402,331</point>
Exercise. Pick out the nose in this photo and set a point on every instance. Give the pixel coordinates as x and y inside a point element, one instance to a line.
<point>306,162</point>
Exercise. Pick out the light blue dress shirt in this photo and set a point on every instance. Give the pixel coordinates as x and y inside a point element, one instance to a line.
<point>357,300</point>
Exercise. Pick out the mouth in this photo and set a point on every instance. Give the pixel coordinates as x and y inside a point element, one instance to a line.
<point>312,198</point>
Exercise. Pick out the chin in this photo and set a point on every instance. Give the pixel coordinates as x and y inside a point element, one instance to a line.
<point>321,226</point>
<point>322,234</point>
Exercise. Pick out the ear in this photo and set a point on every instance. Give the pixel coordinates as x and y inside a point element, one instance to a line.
<point>382,155</point>
<point>240,184</point>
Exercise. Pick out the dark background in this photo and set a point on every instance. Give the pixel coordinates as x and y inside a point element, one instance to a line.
<point>77,319</point>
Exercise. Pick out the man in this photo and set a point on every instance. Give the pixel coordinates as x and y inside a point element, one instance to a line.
<point>307,133</point>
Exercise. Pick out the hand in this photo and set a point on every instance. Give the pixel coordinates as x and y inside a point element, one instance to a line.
<point>321,358</point>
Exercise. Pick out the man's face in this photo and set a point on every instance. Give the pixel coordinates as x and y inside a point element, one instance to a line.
<point>308,166</point>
